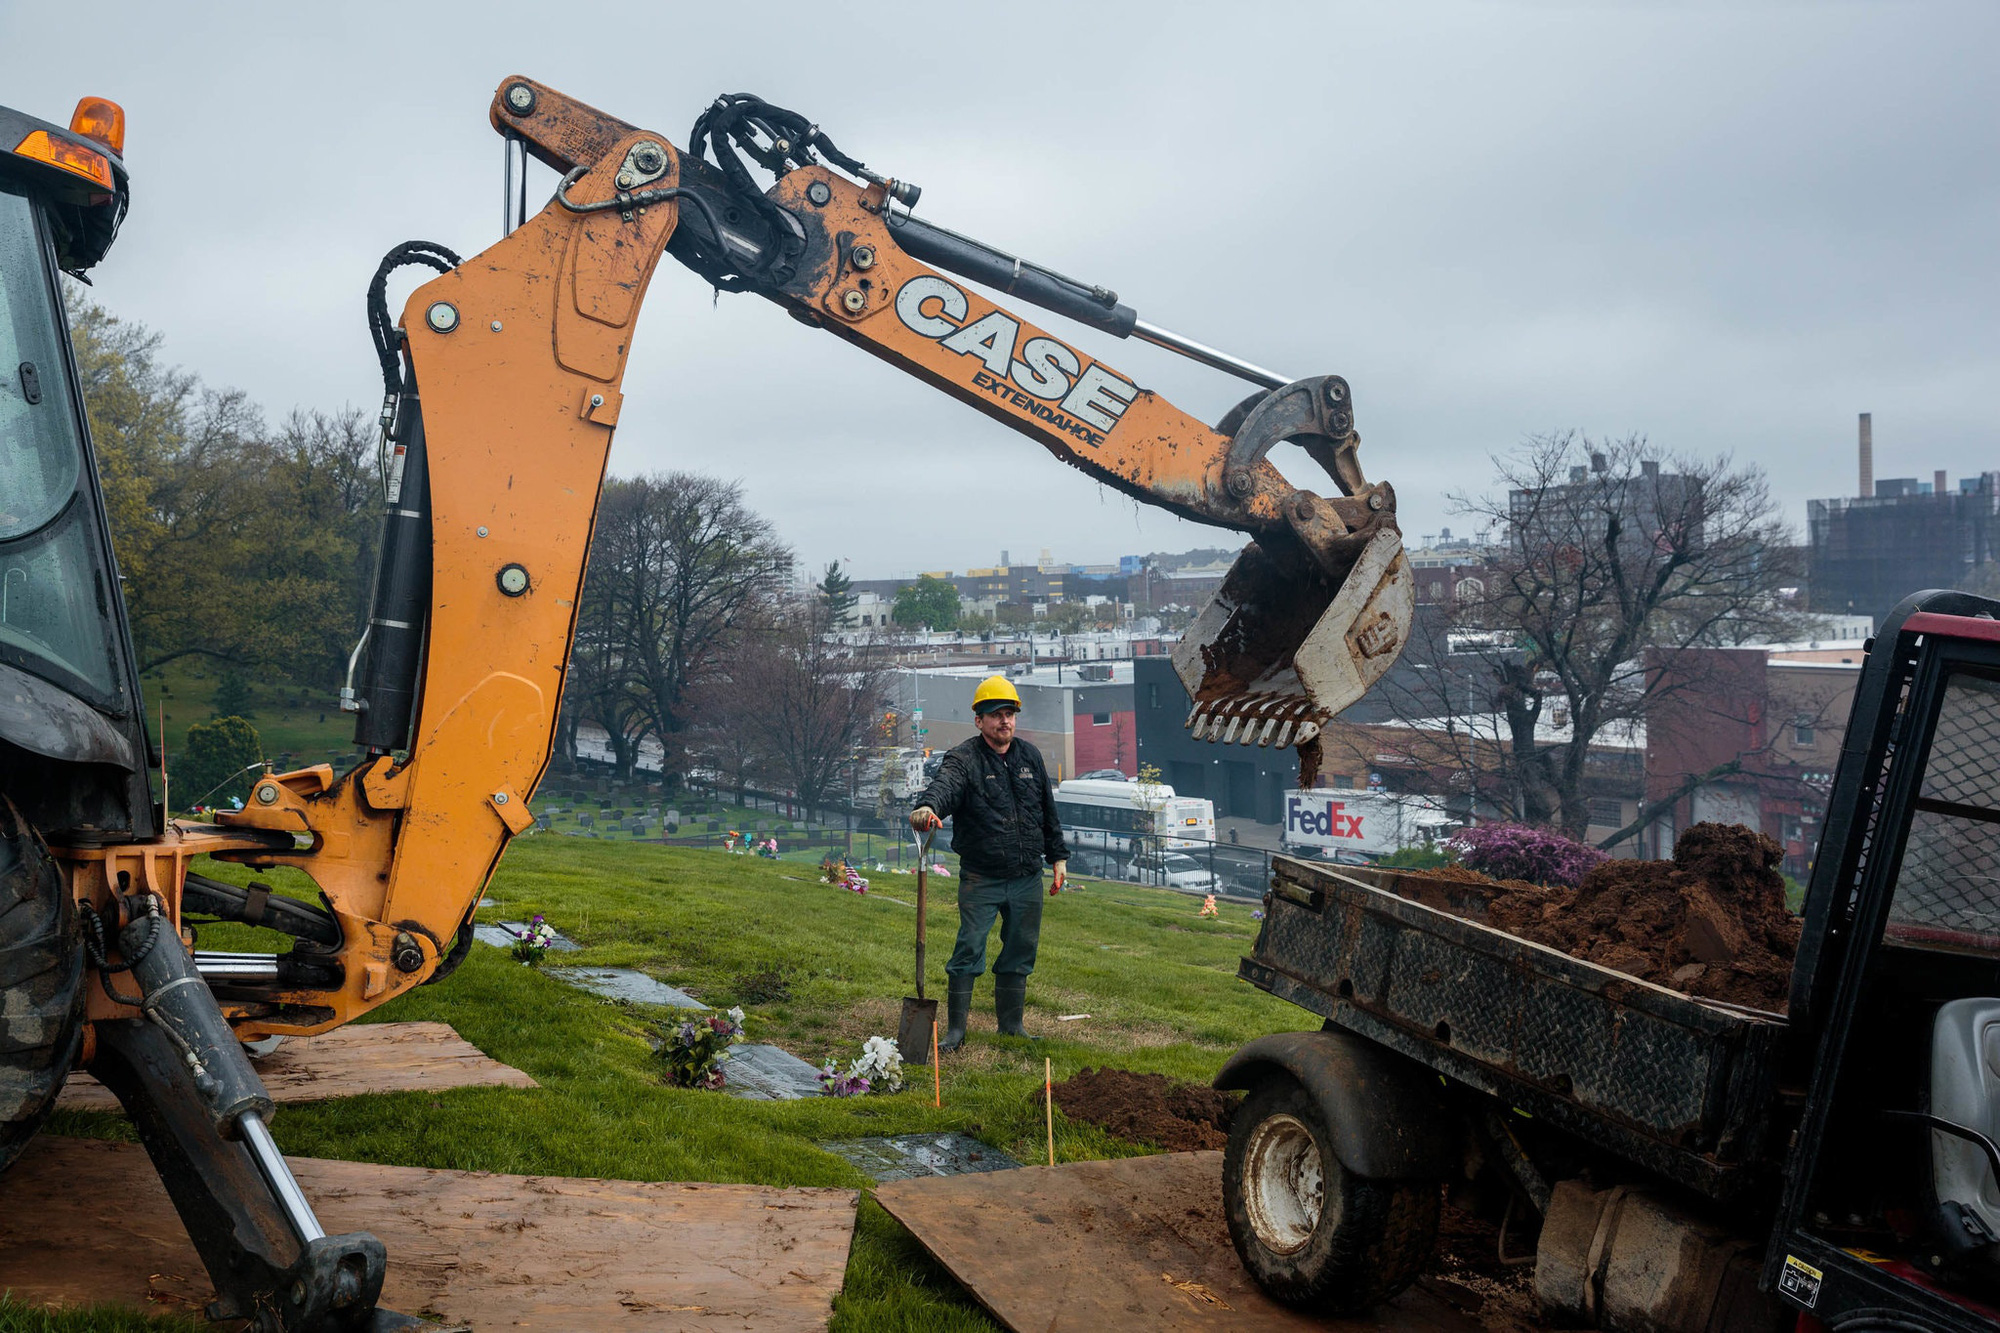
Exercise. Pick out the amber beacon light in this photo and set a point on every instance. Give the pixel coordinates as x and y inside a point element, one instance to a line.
<point>101,119</point>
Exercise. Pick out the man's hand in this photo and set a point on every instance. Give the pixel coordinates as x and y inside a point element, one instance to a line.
<point>923,819</point>
<point>1061,879</point>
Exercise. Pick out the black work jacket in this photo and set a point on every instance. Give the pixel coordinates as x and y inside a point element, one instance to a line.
<point>1001,807</point>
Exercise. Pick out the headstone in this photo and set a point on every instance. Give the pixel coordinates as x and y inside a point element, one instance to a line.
<point>909,1156</point>
<point>770,1074</point>
<point>586,820</point>
<point>508,933</point>
<point>640,828</point>
<point>624,983</point>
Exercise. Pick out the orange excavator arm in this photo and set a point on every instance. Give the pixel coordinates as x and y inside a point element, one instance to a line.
<point>513,361</point>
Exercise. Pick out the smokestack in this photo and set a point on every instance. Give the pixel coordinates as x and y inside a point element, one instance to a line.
<point>1937,485</point>
<point>1867,458</point>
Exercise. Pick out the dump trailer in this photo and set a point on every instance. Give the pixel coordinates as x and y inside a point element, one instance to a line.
<point>1671,1164</point>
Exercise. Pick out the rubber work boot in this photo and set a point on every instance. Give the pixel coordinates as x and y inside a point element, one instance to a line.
<point>1010,999</point>
<point>957,1008</point>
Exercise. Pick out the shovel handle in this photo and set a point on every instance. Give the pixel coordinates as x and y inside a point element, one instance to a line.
<point>923,878</point>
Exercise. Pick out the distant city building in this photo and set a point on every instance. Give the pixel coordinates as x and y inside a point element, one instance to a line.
<point>1079,717</point>
<point>1900,535</point>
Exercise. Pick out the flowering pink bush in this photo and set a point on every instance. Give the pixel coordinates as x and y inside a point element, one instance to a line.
<point>1516,851</point>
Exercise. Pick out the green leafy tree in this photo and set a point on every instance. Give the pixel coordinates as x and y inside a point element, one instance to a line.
<point>929,603</point>
<point>232,697</point>
<point>239,543</point>
<point>836,592</point>
<point>213,765</point>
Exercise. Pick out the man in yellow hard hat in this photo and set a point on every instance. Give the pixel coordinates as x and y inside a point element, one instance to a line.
<point>996,791</point>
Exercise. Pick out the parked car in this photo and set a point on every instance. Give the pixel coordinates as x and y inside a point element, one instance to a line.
<point>1174,871</point>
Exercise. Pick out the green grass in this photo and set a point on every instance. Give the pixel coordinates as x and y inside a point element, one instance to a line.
<point>1158,983</point>
<point>290,719</point>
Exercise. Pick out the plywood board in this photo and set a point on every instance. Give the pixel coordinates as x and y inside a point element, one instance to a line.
<point>82,1220</point>
<point>1138,1243</point>
<point>348,1061</point>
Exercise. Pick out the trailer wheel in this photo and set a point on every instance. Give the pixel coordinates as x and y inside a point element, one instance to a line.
<point>1312,1233</point>
<point>41,982</point>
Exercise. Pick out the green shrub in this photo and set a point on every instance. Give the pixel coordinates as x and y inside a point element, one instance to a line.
<point>1417,858</point>
<point>212,766</point>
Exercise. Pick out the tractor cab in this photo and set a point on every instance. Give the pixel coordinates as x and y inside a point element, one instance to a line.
<point>73,745</point>
<point>1892,1200</point>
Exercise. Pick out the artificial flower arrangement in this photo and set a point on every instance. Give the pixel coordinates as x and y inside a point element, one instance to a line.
<point>695,1050</point>
<point>879,1068</point>
<point>842,875</point>
<point>533,942</point>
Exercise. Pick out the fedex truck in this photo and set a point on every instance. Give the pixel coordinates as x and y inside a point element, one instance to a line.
<point>1359,826</point>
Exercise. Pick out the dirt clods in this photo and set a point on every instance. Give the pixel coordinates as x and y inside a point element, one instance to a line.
<point>1149,1108</point>
<point>1712,922</point>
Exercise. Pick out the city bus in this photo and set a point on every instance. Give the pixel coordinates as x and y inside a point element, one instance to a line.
<point>1103,815</point>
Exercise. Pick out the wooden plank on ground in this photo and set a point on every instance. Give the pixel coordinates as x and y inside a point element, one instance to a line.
<point>83,1220</point>
<point>348,1061</point>
<point>1091,1246</point>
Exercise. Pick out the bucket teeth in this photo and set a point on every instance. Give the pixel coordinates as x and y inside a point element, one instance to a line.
<point>1263,719</point>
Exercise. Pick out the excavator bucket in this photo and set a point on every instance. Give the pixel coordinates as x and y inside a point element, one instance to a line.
<point>1283,646</point>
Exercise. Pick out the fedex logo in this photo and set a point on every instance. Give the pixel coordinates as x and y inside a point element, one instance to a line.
<point>1320,818</point>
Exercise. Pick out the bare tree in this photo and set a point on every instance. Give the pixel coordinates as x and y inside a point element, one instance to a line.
<point>1614,554</point>
<point>679,565</point>
<point>805,701</point>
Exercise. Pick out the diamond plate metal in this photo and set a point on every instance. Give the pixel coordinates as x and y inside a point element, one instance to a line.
<point>1653,1061</point>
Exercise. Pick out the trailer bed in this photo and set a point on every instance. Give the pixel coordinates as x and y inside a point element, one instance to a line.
<point>1680,1085</point>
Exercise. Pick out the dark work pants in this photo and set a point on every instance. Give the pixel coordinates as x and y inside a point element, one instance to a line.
<point>1018,903</point>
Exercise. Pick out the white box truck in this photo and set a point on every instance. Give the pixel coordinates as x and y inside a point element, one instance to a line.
<point>1358,826</point>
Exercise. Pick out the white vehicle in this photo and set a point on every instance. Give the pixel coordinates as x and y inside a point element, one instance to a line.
<point>1104,815</point>
<point>1176,870</point>
<point>1359,826</point>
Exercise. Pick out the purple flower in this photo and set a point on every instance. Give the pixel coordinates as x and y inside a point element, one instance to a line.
<point>1517,851</point>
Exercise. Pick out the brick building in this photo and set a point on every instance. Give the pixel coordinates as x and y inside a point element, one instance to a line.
<point>1777,715</point>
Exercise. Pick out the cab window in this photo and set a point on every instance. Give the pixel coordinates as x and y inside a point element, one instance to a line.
<point>54,613</point>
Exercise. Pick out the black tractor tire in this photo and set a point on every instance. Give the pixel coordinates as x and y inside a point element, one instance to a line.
<point>1312,1233</point>
<point>41,982</point>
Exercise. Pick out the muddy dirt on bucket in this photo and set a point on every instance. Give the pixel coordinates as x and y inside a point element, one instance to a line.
<point>1711,922</point>
<point>1149,1108</point>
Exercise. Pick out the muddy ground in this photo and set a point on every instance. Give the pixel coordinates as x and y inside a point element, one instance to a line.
<point>1466,1270</point>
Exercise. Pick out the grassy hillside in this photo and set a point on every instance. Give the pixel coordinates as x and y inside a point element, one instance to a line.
<point>817,969</point>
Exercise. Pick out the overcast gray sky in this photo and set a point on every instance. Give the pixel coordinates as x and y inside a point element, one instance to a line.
<point>1731,227</point>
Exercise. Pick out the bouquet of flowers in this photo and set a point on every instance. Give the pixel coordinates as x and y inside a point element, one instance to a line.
<point>533,942</point>
<point>695,1050</point>
<point>842,875</point>
<point>878,1069</point>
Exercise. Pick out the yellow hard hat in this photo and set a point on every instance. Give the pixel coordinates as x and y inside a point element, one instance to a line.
<point>993,692</point>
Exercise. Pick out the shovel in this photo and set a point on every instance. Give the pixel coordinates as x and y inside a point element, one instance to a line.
<point>913,1032</point>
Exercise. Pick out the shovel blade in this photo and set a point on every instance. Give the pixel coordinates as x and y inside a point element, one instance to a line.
<point>1282,647</point>
<point>913,1031</point>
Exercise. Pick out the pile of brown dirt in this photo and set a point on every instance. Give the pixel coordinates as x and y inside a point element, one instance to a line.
<point>1149,1108</point>
<point>1711,922</point>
